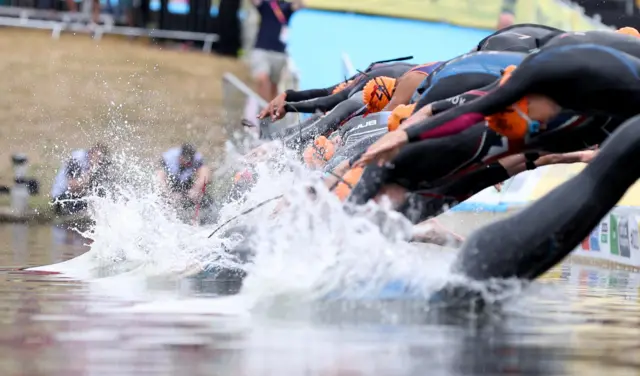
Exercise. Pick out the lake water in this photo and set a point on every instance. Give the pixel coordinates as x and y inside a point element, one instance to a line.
<point>580,320</point>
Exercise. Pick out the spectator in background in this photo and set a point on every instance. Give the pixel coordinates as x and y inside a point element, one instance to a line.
<point>72,6</point>
<point>507,14</point>
<point>86,172</point>
<point>269,58</point>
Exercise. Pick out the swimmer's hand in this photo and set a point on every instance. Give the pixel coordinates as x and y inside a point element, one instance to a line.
<point>586,156</point>
<point>275,109</point>
<point>384,150</point>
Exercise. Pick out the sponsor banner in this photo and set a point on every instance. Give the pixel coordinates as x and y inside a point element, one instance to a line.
<point>480,14</point>
<point>614,239</point>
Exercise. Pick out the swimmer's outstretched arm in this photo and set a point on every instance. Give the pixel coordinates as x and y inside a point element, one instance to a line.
<point>531,242</point>
<point>326,124</point>
<point>305,95</point>
<point>323,104</point>
<point>443,105</point>
<point>459,118</point>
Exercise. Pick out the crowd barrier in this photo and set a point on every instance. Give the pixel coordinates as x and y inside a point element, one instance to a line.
<point>214,24</point>
<point>472,13</point>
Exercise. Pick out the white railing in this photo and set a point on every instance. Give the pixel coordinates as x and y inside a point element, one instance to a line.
<point>59,22</point>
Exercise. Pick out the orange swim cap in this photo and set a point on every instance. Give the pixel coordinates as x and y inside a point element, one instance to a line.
<point>629,31</point>
<point>242,176</point>
<point>341,87</point>
<point>351,178</point>
<point>513,122</point>
<point>399,114</point>
<point>317,155</point>
<point>377,93</point>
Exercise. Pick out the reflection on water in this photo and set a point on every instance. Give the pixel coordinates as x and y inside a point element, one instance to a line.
<point>581,320</point>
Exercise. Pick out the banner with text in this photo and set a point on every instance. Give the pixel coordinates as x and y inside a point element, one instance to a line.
<point>472,13</point>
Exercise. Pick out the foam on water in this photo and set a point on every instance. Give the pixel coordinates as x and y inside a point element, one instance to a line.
<point>310,250</point>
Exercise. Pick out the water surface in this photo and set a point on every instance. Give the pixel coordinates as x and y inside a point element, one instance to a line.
<point>581,320</point>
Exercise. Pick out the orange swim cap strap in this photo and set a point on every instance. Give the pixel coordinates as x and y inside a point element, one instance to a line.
<point>340,180</point>
<point>383,86</point>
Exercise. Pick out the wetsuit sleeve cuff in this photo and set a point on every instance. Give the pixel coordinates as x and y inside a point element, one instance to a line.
<point>413,134</point>
<point>290,95</point>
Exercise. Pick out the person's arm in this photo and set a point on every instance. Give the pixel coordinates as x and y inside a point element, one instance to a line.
<point>323,125</point>
<point>305,95</point>
<point>461,118</point>
<point>437,107</point>
<point>583,156</point>
<point>203,177</point>
<point>257,3</point>
<point>523,162</point>
<point>276,108</point>
<point>323,104</point>
<point>406,85</point>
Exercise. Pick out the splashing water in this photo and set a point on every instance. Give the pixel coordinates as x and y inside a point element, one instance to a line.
<point>311,250</point>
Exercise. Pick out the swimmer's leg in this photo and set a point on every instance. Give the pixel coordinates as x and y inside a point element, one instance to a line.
<point>529,243</point>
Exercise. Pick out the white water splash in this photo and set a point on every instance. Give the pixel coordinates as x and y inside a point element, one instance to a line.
<point>310,250</point>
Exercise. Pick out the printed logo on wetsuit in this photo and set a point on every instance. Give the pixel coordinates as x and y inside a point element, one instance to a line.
<point>457,100</point>
<point>521,36</point>
<point>361,125</point>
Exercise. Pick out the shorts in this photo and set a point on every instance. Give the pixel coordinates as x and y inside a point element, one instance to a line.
<point>271,63</point>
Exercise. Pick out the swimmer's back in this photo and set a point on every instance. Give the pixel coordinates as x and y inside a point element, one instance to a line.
<point>518,38</point>
<point>621,42</point>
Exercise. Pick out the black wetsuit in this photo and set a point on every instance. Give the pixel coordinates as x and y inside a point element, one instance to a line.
<point>586,78</point>
<point>305,95</point>
<point>529,243</point>
<point>300,134</point>
<point>420,206</point>
<point>438,161</point>
<point>393,70</point>
<point>357,135</point>
<point>518,38</point>
<point>463,73</point>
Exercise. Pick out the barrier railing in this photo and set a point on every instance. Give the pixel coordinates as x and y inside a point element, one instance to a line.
<point>59,21</point>
<point>74,22</point>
